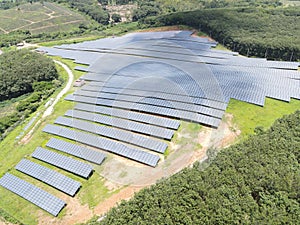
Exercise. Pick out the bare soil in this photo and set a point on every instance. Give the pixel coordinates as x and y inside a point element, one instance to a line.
<point>125,11</point>
<point>136,177</point>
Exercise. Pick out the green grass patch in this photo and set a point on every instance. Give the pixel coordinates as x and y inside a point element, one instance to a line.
<point>186,137</point>
<point>249,116</point>
<point>72,40</point>
<point>38,18</point>
<point>94,191</point>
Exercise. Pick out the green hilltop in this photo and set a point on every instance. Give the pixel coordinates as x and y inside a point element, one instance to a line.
<point>39,17</point>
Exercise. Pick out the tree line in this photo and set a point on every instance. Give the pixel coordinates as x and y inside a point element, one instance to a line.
<point>270,33</point>
<point>19,70</point>
<point>253,182</point>
<point>27,78</point>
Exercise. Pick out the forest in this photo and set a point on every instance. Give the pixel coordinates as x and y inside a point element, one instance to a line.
<point>245,26</point>
<point>19,70</point>
<point>252,182</point>
<point>249,31</point>
<point>26,80</point>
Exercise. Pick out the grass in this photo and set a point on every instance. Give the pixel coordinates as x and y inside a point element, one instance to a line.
<point>93,191</point>
<point>70,40</point>
<point>249,116</point>
<point>47,18</point>
<point>114,30</point>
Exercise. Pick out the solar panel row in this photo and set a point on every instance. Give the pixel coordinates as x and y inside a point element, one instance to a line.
<point>48,176</point>
<point>121,135</point>
<point>94,86</point>
<point>123,124</point>
<point>76,150</point>
<point>105,144</point>
<point>33,194</point>
<point>185,106</point>
<point>189,116</point>
<point>130,115</point>
<point>74,166</point>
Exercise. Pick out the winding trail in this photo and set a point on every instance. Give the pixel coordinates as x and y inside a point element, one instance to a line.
<point>49,110</point>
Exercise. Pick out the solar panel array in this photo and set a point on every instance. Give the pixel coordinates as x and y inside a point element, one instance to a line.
<point>155,131</point>
<point>104,144</point>
<point>158,110</point>
<point>141,84</point>
<point>120,135</point>
<point>74,166</point>
<point>130,115</point>
<point>48,176</point>
<point>76,150</point>
<point>32,193</point>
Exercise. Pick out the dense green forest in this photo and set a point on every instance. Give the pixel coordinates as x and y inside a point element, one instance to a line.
<point>253,182</point>
<point>19,70</point>
<point>29,75</point>
<point>271,33</point>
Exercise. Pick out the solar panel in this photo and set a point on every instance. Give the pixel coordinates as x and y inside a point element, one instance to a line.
<point>174,75</point>
<point>121,135</point>
<point>33,194</point>
<point>104,144</point>
<point>123,124</point>
<point>130,115</point>
<point>103,88</point>
<point>48,176</point>
<point>158,110</point>
<point>76,150</point>
<point>63,162</point>
<point>169,103</point>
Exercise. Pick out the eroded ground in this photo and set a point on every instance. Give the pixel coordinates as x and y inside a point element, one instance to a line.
<point>126,177</point>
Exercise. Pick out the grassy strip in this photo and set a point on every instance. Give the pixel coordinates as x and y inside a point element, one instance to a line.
<point>92,192</point>
<point>249,116</point>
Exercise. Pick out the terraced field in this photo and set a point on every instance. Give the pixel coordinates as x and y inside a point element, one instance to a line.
<point>39,18</point>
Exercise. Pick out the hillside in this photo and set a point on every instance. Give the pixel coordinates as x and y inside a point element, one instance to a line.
<point>249,31</point>
<point>40,18</point>
<point>254,182</point>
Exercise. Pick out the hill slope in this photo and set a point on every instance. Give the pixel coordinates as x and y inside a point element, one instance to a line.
<point>40,18</point>
<point>254,182</point>
<point>270,33</point>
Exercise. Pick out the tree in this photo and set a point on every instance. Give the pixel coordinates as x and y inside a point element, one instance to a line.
<point>116,18</point>
<point>19,70</point>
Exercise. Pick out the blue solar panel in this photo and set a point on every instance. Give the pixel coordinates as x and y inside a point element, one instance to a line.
<point>104,144</point>
<point>76,150</point>
<point>33,194</point>
<point>48,176</point>
<point>63,162</point>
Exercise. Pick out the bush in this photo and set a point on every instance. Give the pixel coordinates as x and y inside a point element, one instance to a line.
<point>20,70</point>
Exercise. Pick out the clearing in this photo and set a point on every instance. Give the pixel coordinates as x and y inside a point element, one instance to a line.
<point>40,17</point>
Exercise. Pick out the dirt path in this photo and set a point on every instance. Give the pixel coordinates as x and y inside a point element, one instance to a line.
<point>50,108</point>
<point>124,194</point>
<point>224,136</point>
<point>70,22</point>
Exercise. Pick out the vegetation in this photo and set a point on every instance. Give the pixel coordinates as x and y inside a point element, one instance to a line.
<point>12,151</point>
<point>21,70</point>
<point>249,31</point>
<point>38,18</point>
<point>40,21</point>
<point>116,17</point>
<point>254,182</point>
<point>248,116</point>
<point>27,80</point>
<point>145,9</point>
<point>90,8</point>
